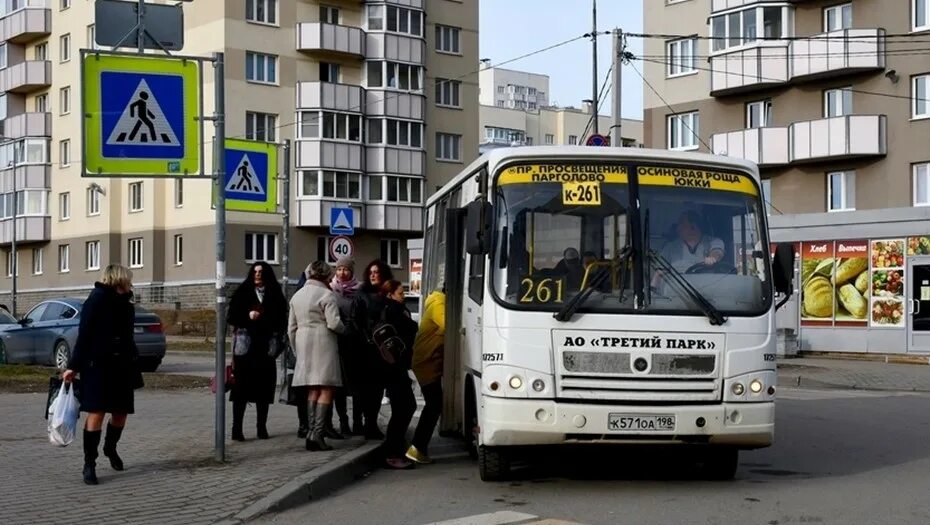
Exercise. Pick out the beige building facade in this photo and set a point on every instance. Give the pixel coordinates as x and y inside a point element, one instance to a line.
<point>378,98</point>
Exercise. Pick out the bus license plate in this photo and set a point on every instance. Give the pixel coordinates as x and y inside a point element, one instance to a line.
<point>640,423</point>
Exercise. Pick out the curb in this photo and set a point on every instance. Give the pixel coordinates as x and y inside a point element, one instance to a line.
<point>312,485</point>
<point>877,358</point>
<point>801,381</point>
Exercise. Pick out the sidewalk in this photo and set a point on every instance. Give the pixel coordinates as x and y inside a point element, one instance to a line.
<point>808,372</point>
<point>171,477</point>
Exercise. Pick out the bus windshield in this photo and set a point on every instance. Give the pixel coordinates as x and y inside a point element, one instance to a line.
<point>564,227</point>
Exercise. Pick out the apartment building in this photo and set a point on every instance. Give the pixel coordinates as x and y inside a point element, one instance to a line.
<point>832,100</point>
<point>507,88</point>
<point>378,98</point>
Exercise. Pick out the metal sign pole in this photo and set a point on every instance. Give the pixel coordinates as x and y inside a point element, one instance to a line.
<point>286,232</point>
<point>219,169</point>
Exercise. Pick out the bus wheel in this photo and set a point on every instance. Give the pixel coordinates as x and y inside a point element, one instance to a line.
<point>721,464</point>
<point>493,463</point>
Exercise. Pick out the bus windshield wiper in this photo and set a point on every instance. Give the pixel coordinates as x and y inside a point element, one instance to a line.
<point>567,311</point>
<point>678,281</point>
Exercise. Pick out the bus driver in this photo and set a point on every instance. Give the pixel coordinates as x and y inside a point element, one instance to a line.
<point>691,247</point>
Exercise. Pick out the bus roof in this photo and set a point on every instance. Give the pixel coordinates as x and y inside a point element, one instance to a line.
<point>501,155</point>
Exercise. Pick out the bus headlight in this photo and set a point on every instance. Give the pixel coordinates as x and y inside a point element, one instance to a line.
<point>737,389</point>
<point>755,386</point>
<point>516,382</point>
<point>539,385</point>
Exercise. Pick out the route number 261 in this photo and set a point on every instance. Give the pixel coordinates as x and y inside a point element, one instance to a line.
<point>543,291</point>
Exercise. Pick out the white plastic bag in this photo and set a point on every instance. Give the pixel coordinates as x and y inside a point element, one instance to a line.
<point>63,417</point>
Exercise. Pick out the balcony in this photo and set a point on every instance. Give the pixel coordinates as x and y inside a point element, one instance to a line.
<point>399,161</point>
<point>328,154</point>
<point>399,48</point>
<point>763,66</point>
<point>27,125</point>
<point>764,146</point>
<point>326,95</point>
<point>845,137</point>
<point>330,38</point>
<point>29,229</point>
<point>25,25</point>
<point>32,176</point>
<point>723,5</point>
<point>26,77</point>
<point>837,53</point>
<point>394,217</point>
<point>395,104</point>
<point>314,212</point>
<point>410,4</point>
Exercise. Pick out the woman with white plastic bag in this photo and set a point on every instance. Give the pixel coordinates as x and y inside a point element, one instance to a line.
<point>106,358</point>
<point>63,415</point>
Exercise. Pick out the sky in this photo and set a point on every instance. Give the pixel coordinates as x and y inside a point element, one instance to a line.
<point>510,28</point>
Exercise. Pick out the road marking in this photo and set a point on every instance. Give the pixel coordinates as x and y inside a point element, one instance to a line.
<point>505,517</point>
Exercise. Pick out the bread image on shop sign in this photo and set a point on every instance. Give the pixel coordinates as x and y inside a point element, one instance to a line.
<point>818,297</point>
<point>852,284</point>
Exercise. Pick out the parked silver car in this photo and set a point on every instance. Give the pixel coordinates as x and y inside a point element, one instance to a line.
<point>46,335</point>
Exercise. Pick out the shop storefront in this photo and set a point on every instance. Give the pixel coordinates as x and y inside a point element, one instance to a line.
<point>862,281</point>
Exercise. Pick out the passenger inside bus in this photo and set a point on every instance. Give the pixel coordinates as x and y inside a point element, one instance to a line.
<point>692,247</point>
<point>571,268</point>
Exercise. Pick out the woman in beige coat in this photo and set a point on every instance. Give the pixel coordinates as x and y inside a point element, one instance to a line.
<point>312,327</point>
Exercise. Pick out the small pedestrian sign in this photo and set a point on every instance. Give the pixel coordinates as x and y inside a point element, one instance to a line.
<point>341,221</point>
<point>251,169</point>
<point>597,140</point>
<point>142,116</point>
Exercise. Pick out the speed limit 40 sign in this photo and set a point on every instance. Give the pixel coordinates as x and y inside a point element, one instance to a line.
<point>341,247</point>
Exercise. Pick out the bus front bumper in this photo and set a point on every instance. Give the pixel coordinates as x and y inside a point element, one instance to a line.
<point>520,422</point>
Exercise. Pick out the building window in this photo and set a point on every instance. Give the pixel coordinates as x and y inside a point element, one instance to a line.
<point>335,184</point>
<point>135,253</point>
<point>261,247</point>
<point>572,140</point>
<point>448,39</point>
<point>41,103</point>
<point>178,250</point>
<point>329,72</point>
<point>92,255</point>
<point>64,258</point>
<point>683,131</point>
<point>335,126</point>
<point>64,152</point>
<point>920,92</point>
<point>550,139</point>
<point>329,14</point>
<point>499,103</point>
<point>681,56</point>
<point>376,18</point>
<point>401,20</point>
<point>394,75</point>
<point>11,261</point>
<point>448,146</point>
<point>375,188</point>
<point>837,102</point>
<point>260,67</point>
<point>390,252</point>
<point>841,191</point>
<point>400,132</point>
<point>500,90</point>
<point>178,193</point>
<point>920,10</point>
<point>38,261</point>
<point>92,36</point>
<point>922,184</point>
<point>504,135</point>
<point>261,11</point>
<point>93,202</point>
<point>403,189</point>
<point>747,26</point>
<point>64,96</point>
<point>447,92</point>
<point>837,17</point>
<point>759,114</point>
<point>260,126</point>
<point>64,206</point>
<point>135,197</point>
<point>528,141</point>
<point>767,195</point>
<point>65,4</point>
<point>64,47</point>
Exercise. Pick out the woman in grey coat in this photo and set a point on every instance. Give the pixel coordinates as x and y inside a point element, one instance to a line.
<point>312,327</point>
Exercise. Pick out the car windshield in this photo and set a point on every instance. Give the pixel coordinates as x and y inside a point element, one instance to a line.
<point>558,226</point>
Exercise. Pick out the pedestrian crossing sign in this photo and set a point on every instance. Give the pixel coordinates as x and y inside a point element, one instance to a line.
<point>142,116</point>
<point>251,170</point>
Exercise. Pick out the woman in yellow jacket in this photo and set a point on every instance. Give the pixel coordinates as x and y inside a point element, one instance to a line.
<point>427,367</point>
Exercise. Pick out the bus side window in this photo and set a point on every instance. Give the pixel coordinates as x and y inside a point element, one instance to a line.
<point>476,278</point>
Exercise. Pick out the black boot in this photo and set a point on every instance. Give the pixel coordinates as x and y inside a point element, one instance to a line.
<point>109,446</point>
<point>372,409</point>
<point>311,443</point>
<point>91,442</point>
<point>342,410</point>
<point>322,414</point>
<point>261,415</point>
<point>328,430</point>
<point>358,428</point>
<point>238,416</point>
<point>303,424</point>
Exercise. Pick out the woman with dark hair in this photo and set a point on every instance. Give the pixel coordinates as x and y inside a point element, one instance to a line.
<point>368,307</point>
<point>396,376</point>
<point>258,313</point>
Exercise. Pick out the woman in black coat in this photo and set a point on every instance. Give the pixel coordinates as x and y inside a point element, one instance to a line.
<point>258,313</point>
<point>369,368</point>
<point>396,377</point>
<point>106,358</point>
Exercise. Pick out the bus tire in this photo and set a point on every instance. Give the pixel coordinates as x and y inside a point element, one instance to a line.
<point>470,432</point>
<point>493,463</point>
<point>721,464</point>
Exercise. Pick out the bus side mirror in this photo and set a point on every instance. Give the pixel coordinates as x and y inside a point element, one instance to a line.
<point>478,227</point>
<point>783,268</point>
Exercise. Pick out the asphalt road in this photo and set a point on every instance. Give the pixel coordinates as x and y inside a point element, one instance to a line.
<point>840,458</point>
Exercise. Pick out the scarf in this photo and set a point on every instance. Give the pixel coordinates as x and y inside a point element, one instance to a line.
<point>344,288</point>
